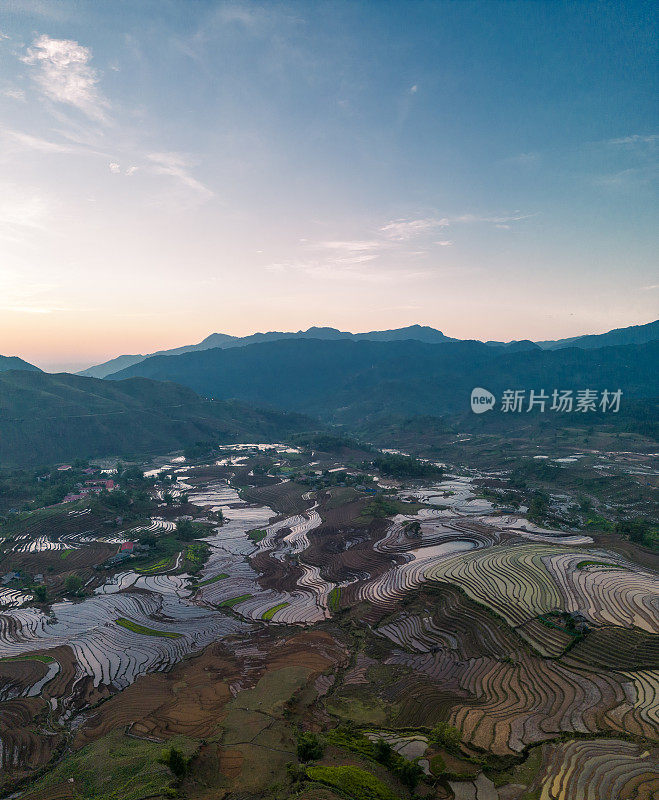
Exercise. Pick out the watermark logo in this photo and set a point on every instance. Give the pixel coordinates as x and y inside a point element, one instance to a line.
<point>563,401</point>
<point>481,400</point>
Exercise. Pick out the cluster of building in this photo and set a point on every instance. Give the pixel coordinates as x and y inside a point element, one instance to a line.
<point>95,486</point>
<point>126,550</point>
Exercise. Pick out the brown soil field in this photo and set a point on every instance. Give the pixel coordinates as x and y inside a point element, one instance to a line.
<point>191,699</point>
<point>284,498</point>
<point>55,568</point>
<point>23,738</point>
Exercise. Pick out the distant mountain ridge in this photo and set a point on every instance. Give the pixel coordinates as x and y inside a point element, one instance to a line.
<point>345,379</point>
<point>14,362</point>
<point>421,333</point>
<point>634,334</point>
<point>638,334</point>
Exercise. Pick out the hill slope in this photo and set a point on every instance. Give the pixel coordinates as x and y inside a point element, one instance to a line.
<point>346,379</point>
<point>635,334</point>
<point>13,362</point>
<point>46,418</point>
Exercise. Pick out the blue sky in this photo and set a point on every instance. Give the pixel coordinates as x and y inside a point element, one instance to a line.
<point>172,169</point>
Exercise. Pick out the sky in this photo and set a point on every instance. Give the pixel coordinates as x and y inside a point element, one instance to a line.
<point>173,169</point>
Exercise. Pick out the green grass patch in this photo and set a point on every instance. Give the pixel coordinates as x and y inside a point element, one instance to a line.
<point>162,565</point>
<point>269,614</point>
<point>437,764</point>
<point>340,495</point>
<point>583,564</point>
<point>233,601</point>
<point>369,710</point>
<point>334,599</point>
<point>600,523</point>
<point>196,555</point>
<point>43,659</point>
<point>549,623</point>
<point>353,781</point>
<point>214,579</point>
<point>137,628</point>
<point>257,535</point>
<point>65,554</point>
<point>385,506</point>
<point>521,773</point>
<point>115,767</point>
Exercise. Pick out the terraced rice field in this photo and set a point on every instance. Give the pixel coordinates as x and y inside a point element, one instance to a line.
<point>461,619</point>
<point>521,582</point>
<point>600,768</point>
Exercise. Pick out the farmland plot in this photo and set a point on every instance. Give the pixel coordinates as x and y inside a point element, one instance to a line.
<point>520,582</point>
<point>109,653</point>
<point>597,769</point>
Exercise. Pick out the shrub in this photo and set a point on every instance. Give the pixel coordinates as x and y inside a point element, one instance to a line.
<point>409,773</point>
<point>383,751</point>
<point>445,735</point>
<point>40,594</point>
<point>354,782</point>
<point>73,584</point>
<point>176,761</point>
<point>309,747</point>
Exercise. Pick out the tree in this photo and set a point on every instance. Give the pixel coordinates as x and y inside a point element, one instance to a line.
<point>132,475</point>
<point>408,772</point>
<point>175,760</point>
<point>382,751</point>
<point>73,584</point>
<point>40,594</point>
<point>445,735</point>
<point>413,529</point>
<point>309,747</point>
<point>185,530</point>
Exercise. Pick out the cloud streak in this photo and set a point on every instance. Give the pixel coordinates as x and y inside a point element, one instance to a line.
<point>177,165</point>
<point>401,230</point>
<point>64,74</point>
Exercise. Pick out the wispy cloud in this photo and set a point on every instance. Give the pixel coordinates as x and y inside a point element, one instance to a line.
<point>636,139</point>
<point>64,74</point>
<point>28,142</point>
<point>400,230</point>
<point>445,243</point>
<point>177,165</point>
<point>14,94</point>
<point>349,246</point>
<point>625,178</point>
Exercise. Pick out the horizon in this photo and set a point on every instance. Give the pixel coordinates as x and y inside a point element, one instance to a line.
<point>487,170</point>
<point>73,367</point>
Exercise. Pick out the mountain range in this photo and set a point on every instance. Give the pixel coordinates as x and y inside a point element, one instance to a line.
<point>638,334</point>
<point>269,386</point>
<point>345,380</point>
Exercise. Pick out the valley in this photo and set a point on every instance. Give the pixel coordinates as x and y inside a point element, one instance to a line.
<point>324,619</point>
